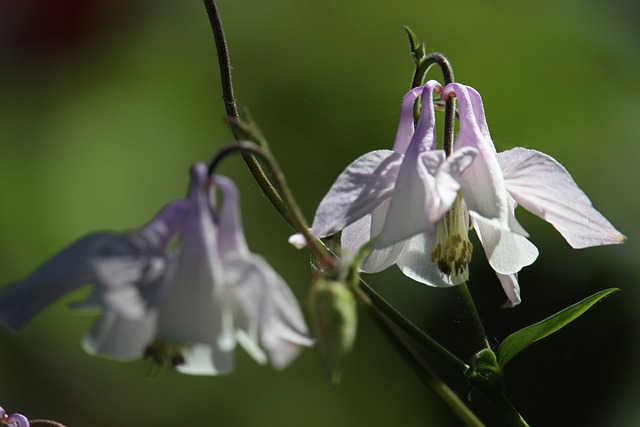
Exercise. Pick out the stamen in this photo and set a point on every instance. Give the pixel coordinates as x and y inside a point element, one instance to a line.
<point>166,353</point>
<point>453,249</point>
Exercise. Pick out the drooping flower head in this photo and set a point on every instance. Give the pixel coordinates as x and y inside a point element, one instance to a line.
<point>415,202</point>
<point>220,294</point>
<point>186,307</point>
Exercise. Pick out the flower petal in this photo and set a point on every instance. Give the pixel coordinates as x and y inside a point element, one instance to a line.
<point>16,420</point>
<point>483,186</point>
<point>193,311</point>
<point>268,303</point>
<point>202,359</point>
<point>406,126</point>
<point>230,235</point>
<point>544,187</point>
<point>129,285</point>
<point>506,251</point>
<point>365,184</point>
<point>115,336</point>
<point>407,215</point>
<point>511,287</point>
<point>67,271</point>
<point>443,180</point>
<point>415,262</point>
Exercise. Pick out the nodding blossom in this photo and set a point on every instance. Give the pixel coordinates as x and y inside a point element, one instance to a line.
<point>415,203</point>
<point>186,306</point>
<point>13,420</point>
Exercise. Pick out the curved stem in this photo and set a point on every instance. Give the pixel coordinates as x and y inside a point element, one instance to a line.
<point>231,108</point>
<point>295,218</point>
<point>46,423</point>
<point>450,107</point>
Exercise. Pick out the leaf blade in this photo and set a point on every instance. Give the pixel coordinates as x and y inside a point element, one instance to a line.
<point>519,340</point>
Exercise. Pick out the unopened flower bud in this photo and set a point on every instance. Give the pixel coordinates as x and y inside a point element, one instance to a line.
<point>334,314</point>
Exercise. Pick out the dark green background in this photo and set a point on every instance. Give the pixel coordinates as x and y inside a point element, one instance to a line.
<point>103,107</point>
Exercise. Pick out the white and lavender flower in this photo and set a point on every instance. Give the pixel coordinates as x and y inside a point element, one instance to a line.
<point>186,307</point>
<point>415,202</point>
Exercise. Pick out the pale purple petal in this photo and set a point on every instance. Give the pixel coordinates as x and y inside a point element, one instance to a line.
<point>511,287</point>
<point>118,337</point>
<point>159,232</point>
<point>365,184</point>
<point>407,215</point>
<point>406,126</point>
<point>16,420</point>
<point>67,271</point>
<point>354,236</point>
<point>544,187</point>
<point>230,235</point>
<point>482,183</point>
<point>415,262</point>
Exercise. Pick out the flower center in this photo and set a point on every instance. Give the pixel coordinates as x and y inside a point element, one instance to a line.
<point>453,248</point>
<point>165,353</point>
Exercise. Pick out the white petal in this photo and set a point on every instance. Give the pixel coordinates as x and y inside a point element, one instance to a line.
<point>443,187</point>
<point>415,262</point>
<point>511,287</point>
<point>201,359</point>
<point>365,184</point>
<point>131,284</point>
<point>115,336</point>
<point>268,303</point>
<point>544,187</point>
<point>192,310</point>
<point>381,259</point>
<point>354,236</point>
<point>506,251</point>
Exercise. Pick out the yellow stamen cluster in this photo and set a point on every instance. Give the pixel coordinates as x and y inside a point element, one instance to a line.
<point>165,353</point>
<point>453,249</point>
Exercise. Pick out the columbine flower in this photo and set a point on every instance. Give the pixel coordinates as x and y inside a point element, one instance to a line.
<point>399,197</point>
<point>187,308</point>
<point>415,202</point>
<point>220,294</point>
<point>13,420</point>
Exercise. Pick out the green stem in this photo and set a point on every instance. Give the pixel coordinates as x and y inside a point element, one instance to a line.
<point>414,360</point>
<point>317,248</point>
<point>497,397</point>
<point>463,291</point>
<point>419,336</point>
<point>228,97</point>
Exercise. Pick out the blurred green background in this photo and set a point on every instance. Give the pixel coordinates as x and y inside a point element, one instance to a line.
<point>104,105</point>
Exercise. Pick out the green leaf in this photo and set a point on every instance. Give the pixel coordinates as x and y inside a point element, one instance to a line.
<point>518,341</point>
<point>418,49</point>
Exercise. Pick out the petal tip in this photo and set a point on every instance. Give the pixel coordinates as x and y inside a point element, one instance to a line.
<point>298,241</point>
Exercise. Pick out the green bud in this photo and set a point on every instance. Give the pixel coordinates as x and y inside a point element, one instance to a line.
<point>484,368</point>
<point>334,315</point>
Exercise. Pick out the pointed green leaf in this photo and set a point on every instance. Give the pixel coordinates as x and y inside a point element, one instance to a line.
<point>418,49</point>
<point>518,341</point>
